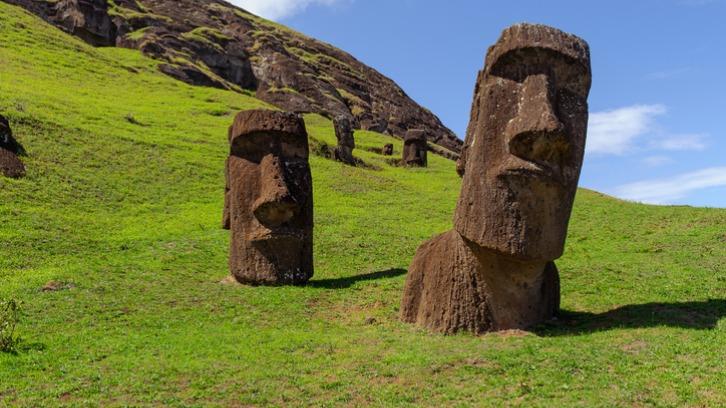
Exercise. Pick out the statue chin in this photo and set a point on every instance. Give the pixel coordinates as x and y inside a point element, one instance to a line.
<point>541,213</point>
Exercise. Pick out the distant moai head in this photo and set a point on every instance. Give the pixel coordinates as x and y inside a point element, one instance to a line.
<point>5,133</point>
<point>346,141</point>
<point>388,149</point>
<point>344,131</point>
<point>269,199</point>
<point>10,164</point>
<point>7,141</point>
<point>525,143</point>
<point>415,148</point>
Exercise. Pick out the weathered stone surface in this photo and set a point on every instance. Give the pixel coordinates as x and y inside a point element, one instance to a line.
<point>346,140</point>
<point>269,199</point>
<point>213,43</point>
<point>388,149</point>
<point>521,163</point>
<point>415,148</point>
<point>10,164</point>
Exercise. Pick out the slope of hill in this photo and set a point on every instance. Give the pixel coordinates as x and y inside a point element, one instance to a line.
<point>122,205</point>
<point>211,42</point>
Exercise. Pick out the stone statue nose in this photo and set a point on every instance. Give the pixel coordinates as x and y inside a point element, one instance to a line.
<point>537,106</point>
<point>276,205</point>
<point>536,133</point>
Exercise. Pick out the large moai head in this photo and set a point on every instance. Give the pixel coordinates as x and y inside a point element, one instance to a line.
<point>346,141</point>
<point>415,148</point>
<point>525,143</point>
<point>10,164</point>
<point>269,199</point>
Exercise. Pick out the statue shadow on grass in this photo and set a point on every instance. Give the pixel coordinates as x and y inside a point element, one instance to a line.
<point>690,315</point>
<point>346,282</point>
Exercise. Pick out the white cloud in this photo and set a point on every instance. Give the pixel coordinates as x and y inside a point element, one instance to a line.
<point>617,131</point>
<point>655,161</point>
<point>682,142</point>
<point>613,132</point>
<point>696,2</point>
<point>278,9</point>
<point>660,75</point>
<point>663,191</point>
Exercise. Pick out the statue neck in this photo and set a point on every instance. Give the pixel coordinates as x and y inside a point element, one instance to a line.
<point>521,293</point>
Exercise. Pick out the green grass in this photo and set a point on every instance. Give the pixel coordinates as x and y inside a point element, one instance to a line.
<point>123,200</point>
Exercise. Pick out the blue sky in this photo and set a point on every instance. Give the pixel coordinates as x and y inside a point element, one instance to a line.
<point>657,132</point>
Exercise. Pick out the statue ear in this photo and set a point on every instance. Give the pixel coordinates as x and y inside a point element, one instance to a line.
<point>226,224</point>
<point>473,122</point>
<point>461,163</point>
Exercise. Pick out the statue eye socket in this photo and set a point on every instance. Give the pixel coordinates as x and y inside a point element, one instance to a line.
<point>517,72</point>
<point>564,72</point>
<point>254,147</point>
<point>294,147</point>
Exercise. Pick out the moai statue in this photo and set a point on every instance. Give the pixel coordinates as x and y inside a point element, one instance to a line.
<point>521,164</point>
<point>268,202</point>
<point>388,149</point>
<point>414,148</point>
<point>10,164</point>
<point>346,141</point>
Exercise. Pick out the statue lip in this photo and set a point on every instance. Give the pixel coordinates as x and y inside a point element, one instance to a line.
<point>282,234</point>
<point>539,170</point>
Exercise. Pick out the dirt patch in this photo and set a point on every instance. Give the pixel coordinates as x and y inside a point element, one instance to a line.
<point>230,280</point>
<point>512,333</point>
<point>467,363</point>
<point>635,347</point>
<point>54,286</point>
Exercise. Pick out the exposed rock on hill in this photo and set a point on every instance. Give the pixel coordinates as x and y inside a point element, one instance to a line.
<point>212,43</point>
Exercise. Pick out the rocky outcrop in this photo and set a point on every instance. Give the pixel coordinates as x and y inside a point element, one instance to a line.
<point>88,19</point>
<point>213,43</point>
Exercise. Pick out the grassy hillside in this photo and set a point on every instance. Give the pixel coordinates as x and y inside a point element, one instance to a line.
<point>123,203</point>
